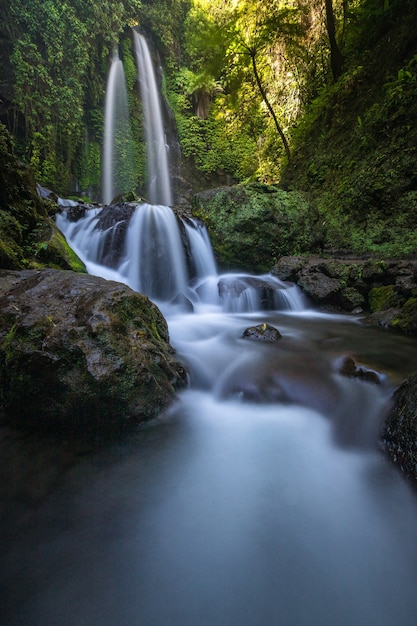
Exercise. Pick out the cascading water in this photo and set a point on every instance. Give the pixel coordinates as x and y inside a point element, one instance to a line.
<point>260,497</point>
<point>159,184</point>
<point>118,159</point>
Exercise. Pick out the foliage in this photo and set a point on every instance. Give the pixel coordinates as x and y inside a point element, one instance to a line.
<point>57,47</point>
<point>253,225</point>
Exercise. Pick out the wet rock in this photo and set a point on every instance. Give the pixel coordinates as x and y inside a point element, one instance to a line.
<point>81,355</point>
<point>319,287</point>
<point>347,367</point>
<point>384,290</point>
<point>399,437</point>
<point>262,332</point>
<point>267,294</point>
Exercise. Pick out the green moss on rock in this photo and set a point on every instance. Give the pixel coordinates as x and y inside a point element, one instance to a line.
<point>81,355</point>
<point>251,226</point>
<point>49,248</point>
<point>382,298</point>
<point>406,320</point>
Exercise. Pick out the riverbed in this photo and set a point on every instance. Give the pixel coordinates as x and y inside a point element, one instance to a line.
<point>233,507</point>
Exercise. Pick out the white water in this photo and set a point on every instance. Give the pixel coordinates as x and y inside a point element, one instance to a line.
<point>117,164</point>
<point>159,184</point>
<point>153,261</point>
<point>226,510</point>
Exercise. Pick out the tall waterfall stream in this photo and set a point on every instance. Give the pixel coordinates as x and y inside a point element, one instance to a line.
<point>259,498</point>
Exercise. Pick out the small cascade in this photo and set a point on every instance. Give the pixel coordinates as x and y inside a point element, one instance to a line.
<point>201,252</point>
<point>118,159</point>
<point>159,184</point>
<point>169,259</point>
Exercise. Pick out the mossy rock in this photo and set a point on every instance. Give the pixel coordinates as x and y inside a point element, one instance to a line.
<point>351,299</point>
<point>383,298</point>
<point>399,438</point>
<point>80,355</point>
<point>49,248</point>
<point>336,269</point>
<point>252,226</point>
<point>406,321</point>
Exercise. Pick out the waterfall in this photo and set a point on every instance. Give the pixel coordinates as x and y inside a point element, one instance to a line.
<point>159,184</point>
<point>169,259</point>
<point>118,159</point>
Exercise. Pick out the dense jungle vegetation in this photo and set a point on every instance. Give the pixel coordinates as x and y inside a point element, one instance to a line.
<point>315,95</point>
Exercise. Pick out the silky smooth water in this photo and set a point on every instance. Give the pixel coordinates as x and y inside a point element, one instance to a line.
<point>118,158</point>
<point>159,182</point>
<point>259,497</point>
<point>226,510</point>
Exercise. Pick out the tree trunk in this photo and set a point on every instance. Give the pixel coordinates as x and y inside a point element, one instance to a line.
<point>336,57</point>
<point>269,106</point>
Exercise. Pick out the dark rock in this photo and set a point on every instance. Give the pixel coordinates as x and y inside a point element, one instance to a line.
<point>384,290</point>
<point>318,286</point>
<point>289,267</point>
<point>347,367</point>
<point>81,355</point>
<point>262,332</point>
<point>399,438</point>
<point>352,300</point>
<point>266,292</point>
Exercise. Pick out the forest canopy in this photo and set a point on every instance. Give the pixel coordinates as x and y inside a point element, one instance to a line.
<point>241,77</point>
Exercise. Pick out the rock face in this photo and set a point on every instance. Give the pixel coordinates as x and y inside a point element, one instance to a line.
<point>28,236</point>
<point>399,438</point>
<point>81,355</point>
<point>252,225</point>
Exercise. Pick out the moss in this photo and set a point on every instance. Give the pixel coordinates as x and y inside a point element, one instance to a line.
<point>382,298</point>
<point>407,318</point>
<point>356,148</point>
<point>352,298</point>
<point>336,269</point>
<point>254,225</point>
<point>49,248</point>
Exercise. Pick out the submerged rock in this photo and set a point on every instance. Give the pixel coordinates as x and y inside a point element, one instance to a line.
<point>81,355</point>
<point>347,367</point>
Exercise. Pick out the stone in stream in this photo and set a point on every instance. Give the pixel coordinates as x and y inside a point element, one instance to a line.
<point>262,332</point>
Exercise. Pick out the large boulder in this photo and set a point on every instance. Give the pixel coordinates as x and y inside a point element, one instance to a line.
<point>399,438</point>
<point>81,355</point>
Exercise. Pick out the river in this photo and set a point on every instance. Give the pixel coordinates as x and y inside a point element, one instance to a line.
<point>230,508</point>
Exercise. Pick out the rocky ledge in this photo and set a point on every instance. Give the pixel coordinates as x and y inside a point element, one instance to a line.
<point>384,290</point>
<point>81,355</point>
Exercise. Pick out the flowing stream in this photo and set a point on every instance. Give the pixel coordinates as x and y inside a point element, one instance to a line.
<point>260,498</point>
